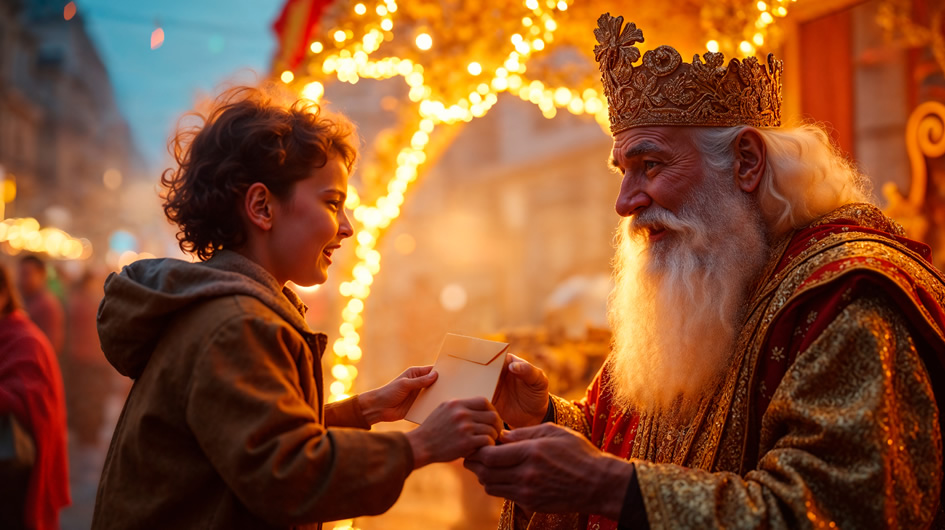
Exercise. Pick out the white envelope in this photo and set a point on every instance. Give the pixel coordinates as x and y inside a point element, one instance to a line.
<point>466,367</point>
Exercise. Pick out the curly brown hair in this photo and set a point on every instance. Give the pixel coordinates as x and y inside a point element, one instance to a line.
<point>249,135</point>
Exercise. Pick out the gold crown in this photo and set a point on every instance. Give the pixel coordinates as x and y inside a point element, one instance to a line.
<point>663,90</point>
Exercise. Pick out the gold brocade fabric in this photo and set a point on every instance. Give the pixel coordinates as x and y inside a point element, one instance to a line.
<point>851,435</point>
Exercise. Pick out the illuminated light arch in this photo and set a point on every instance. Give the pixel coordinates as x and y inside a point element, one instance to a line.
<point>463,83</point>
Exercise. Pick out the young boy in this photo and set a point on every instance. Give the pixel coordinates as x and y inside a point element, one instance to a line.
<point>225,426</point>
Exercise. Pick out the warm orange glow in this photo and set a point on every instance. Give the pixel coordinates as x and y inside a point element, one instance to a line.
<point>26,234</point>
<point>157,38</point>
<point>9,190</point>
<point>69,11</point>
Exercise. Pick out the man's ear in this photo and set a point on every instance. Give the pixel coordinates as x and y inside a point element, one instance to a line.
<point>750,159</point>
<point>257,205</point>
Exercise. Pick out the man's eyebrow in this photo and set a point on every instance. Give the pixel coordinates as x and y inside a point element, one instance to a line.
<point>642,148</point>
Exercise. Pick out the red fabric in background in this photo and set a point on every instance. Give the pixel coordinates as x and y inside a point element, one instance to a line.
<point>295,28</point>
<point>31,389</point>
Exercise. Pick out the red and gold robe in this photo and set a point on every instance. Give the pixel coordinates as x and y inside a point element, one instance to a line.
<point>828,415</point>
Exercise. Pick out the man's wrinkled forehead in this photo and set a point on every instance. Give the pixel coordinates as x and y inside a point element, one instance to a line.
<point>642,141</point>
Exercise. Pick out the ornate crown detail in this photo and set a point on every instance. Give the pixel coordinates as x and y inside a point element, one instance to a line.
<point>663,90</point>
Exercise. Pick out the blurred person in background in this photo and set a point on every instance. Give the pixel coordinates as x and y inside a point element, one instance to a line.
<point>89,378</point>
<point>31,393</point>
<point>226,425</point>
<point>44,309</point>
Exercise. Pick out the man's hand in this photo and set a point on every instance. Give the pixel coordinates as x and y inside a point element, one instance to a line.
<point>454,429</point>
<point>552,469</point>
<point>521,396</point>
<point>392,401</point>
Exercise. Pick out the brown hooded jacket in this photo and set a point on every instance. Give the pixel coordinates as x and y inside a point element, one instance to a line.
<point>225,426</point>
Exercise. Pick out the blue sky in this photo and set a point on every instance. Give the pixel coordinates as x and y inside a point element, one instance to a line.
<point>207,42</point>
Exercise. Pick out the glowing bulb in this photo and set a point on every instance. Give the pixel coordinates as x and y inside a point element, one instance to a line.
<point>317,47</point>
<point>313,91</point>
<point>766,18</point>
<point>712,46</point>
<point>340,36</point>
<point>287,77</point>
<point>562,6</point>
<point>387,24</point>
<point>424,41</point>
<point>762,6</point>
<point>531,4</point>
<point>746,47</point>
<point>157,38</point>
<point>474,68</point>
<point>360,9</point>
<point>758,39</point>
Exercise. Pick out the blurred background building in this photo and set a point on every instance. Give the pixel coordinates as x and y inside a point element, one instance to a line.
<point>66,152</point>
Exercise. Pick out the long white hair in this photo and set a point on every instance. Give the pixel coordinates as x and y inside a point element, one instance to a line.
<point>805,175</point>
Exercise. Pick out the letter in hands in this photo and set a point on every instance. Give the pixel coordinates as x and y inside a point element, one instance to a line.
<point>466,367</point>
<point>454,430</point>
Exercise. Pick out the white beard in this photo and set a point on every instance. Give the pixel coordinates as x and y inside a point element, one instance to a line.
<point>677,302</point>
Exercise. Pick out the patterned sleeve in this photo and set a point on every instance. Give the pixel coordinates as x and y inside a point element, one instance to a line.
<point>579,415</point>
<point>850,439</point>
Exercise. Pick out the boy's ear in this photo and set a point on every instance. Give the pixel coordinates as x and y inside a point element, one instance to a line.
<point>750,159</point>
<point>257,205</point>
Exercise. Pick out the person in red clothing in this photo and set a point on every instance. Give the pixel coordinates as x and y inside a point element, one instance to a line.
<point>31,391</point>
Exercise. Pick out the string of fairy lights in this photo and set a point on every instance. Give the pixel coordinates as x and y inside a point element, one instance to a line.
<point>348,53</point>
<point>25,234</point>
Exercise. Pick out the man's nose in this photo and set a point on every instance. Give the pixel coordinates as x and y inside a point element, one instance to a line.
<point>631,200</point>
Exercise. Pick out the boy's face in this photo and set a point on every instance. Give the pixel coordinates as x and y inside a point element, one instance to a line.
<point>310,224</point>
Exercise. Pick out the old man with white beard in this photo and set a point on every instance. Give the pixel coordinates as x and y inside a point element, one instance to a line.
<point>779,346</point>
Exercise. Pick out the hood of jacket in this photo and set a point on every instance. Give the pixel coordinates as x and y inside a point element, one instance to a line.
<point>142,300</point>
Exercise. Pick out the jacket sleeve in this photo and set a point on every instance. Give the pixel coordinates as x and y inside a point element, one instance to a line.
<point>246,408</point>
<point>849,440</point>
<point>346,413</point>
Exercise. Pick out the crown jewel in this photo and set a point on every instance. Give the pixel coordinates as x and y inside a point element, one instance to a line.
<point>663,90</point>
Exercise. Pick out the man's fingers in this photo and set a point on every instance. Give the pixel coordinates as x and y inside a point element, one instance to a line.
<point>529,433</point>
<point>500,456</point>
<point>529,373</point>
